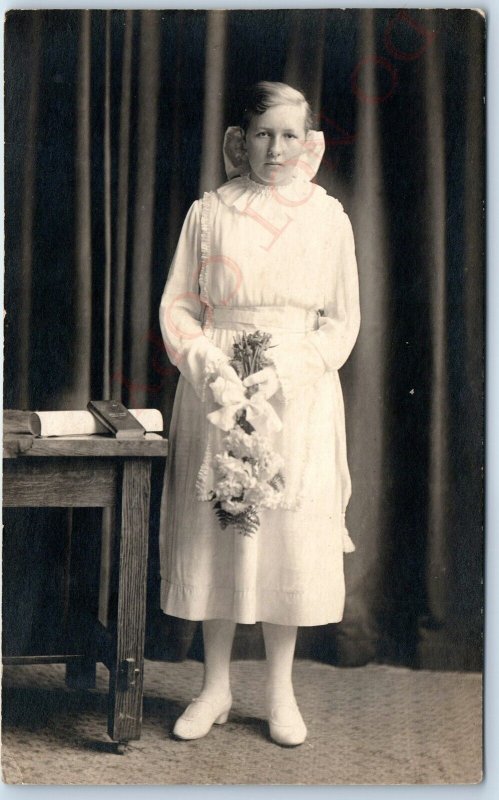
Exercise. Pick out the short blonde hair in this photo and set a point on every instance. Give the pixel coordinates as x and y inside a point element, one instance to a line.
<point>267,94</point>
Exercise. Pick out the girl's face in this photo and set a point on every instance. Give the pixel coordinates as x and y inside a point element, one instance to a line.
<point>275,141</point>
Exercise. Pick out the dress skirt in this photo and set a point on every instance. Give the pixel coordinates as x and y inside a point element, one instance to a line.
<point>290,572</point>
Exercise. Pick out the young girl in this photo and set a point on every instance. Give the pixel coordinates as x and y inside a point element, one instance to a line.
<point>268,251</point>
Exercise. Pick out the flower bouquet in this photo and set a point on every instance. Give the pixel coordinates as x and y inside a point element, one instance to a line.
<point>248,471</point>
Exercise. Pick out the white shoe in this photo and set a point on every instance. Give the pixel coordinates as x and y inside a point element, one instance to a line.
<point>286,724</point>
<point>199,716</point>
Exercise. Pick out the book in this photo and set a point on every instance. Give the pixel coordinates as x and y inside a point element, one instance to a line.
<point>69,423</point>
<point>117,419</point>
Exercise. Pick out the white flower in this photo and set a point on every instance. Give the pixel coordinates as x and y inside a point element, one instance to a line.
<point>228,488</point>
<point>266,468</point>
<point>239,443</point>
<point>263,495</point>
<point>227,466</point>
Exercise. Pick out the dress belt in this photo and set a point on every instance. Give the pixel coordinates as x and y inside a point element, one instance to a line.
<point>289,318</point>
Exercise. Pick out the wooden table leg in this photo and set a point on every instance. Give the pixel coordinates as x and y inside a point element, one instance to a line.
<point>126,677</point>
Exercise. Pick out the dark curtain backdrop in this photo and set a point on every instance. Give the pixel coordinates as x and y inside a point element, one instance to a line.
<point>114,122</point>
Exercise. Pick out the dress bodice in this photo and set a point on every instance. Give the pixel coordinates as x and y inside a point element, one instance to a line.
<point>248,245</point>
<point>268,245</point>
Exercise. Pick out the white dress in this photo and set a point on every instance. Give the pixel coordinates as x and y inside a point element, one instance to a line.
<point>251,257</point>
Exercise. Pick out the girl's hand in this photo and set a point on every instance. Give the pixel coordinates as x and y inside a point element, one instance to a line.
<point>265,380</point>
<point>228,373</point>
<point>226,386</point>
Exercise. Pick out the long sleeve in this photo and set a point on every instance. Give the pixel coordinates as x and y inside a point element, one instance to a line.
<point>327,348</point>
<point>181,309</point>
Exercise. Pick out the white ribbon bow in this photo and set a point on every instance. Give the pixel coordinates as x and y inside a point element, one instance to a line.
<point>232,397</point>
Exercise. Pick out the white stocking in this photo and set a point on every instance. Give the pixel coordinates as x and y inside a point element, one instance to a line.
<point>218,636</point>
<point>280,642</point>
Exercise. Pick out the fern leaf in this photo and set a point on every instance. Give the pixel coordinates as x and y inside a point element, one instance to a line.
<point>246,523</point>
<point>277,482</point>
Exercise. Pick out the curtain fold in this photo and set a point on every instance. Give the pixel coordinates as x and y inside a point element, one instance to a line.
<point>436,238</point>
<point>121,223</point>
<point>78,390</point>
<point>304,64</point>
<point>28,200</point>
<point>140,311</point>
<point>114,125</point>
<point>212,174</point>
<point>365,379</point>
<point>107,212</point>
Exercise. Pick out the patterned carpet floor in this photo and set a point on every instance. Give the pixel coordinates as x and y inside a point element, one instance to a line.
<point>369,725</point>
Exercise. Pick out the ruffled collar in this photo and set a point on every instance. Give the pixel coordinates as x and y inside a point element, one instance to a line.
<point>243,191</point>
